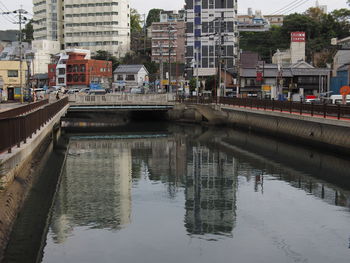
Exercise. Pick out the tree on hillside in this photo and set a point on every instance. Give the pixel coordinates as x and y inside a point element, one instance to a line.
<point>320,29</point>
<point>105,55</point>
<point>315,13</point>
<point>28,31</point>
<point>341,15</point>
<point>135,21</point>
<point>153,16</point>
<point>299,22</point>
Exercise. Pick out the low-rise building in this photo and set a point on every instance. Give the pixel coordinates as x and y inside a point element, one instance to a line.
<point>293,81</point>
<point>10,73</point>
<point>40,55</point>
<point>127,77</point>
<point>257,22</point>
<point>75,69</point>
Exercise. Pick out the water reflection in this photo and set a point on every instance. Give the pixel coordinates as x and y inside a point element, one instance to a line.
<point>211,185</point>
<point>207,193</point>
<point>95,189</point>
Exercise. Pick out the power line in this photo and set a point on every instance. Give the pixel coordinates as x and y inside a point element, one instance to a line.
<point>286,6</point>
<point>5,17</point>
<point>13,16</point>
<point>294,7</point>
<point>290,7</point>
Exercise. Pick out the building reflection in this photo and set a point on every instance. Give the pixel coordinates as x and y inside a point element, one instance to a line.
<point>95,190</point>
<point>211,185</point>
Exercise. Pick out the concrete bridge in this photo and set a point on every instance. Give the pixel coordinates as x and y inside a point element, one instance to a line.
<point>121,101</point>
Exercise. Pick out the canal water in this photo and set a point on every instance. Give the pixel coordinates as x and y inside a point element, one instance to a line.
<point>187,194</point>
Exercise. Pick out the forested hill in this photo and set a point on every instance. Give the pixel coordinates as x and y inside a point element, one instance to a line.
<point>320,29</point>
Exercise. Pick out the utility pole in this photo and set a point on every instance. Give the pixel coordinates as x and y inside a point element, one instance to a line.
<point>145,34</point>
<point>197,79</point>
<point>21,20</point>
<point>170,27</point>
<point>279,77</point>
<point>221,42</point>
<point>161,65</point>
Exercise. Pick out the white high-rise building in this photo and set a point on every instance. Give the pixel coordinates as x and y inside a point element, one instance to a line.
<point>206,21</point>
<point>85,24</point>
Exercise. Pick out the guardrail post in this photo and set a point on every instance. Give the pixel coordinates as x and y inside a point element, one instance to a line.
<point>273,105</point>
<point>339,111</point>
<point>290,106</point>
<point>301,107</point>
<point>324,110</point>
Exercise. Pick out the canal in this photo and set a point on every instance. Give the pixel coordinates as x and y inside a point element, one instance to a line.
<point>182,193</point>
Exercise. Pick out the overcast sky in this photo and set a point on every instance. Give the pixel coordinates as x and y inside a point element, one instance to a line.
<point>266,6</point>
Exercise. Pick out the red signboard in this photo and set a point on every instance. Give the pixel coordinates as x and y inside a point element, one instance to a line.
<point>298,36</point>
<point>259,76</point>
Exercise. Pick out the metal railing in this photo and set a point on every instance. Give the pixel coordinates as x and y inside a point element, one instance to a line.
<point>22,109</point>
<point>291,107</point>
<point>15,130</point>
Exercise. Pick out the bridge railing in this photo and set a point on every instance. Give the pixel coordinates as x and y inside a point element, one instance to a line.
<point>15,130</point>
<point>23,109</point>
<point>121,99</point>
<point>301,108</point>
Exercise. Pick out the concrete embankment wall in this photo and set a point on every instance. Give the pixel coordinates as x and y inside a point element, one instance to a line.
<point>325,133</point>
<point>329,134</point>
<point>19,169</point>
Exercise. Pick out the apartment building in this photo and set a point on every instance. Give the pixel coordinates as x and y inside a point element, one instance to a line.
<point>84,24</point>
<point>206,21</point>
<point>168,35</point>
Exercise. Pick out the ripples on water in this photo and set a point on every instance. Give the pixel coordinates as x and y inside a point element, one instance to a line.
<point>189,196</point>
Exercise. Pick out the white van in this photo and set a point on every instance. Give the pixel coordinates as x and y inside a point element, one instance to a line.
<point>338,99</point>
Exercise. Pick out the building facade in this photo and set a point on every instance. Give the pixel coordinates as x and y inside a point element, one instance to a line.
<point>168,35</point>
<point>93,24</point>
<point>293,82</point>
<point>75,69</point>
<point>127,77</point>
<point>39,57</point>
<point>207,20</point>
<point>10,74</point>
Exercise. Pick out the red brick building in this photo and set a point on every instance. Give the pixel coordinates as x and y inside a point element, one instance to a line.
<point>74,70</point>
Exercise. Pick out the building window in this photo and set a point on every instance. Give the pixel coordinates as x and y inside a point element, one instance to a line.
<point>60,80</point>
<point>61,71</point>
<point>120,77</point>
<point>12,73</point>
<point>130,77</point>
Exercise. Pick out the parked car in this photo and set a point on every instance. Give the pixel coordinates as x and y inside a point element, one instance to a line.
<point>84,90</point>
<point>136,91</point>
<point>97,92</point>
<point>73,91</point>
